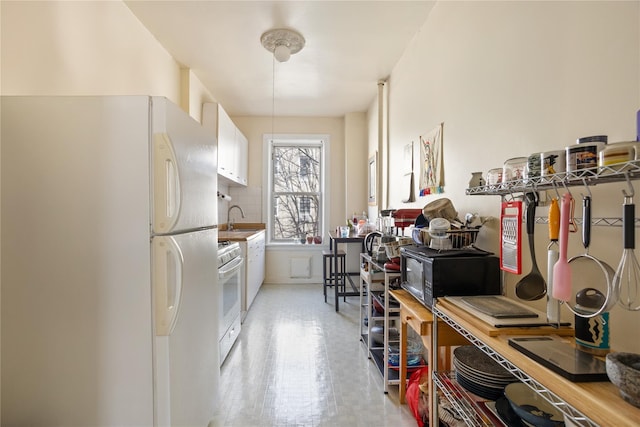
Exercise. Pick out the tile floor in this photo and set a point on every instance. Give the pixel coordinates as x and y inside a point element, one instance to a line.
<point>299,363</point>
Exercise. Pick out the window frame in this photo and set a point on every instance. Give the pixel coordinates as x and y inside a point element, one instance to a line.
<point>270,141</point>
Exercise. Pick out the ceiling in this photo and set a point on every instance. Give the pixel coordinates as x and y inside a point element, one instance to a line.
<point>350,46</point>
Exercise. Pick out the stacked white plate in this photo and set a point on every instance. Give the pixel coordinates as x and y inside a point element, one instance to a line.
<point>480,374</point>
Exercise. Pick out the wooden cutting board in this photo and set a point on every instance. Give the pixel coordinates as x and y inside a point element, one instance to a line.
<point>499,307</point>
<point>493,326</point>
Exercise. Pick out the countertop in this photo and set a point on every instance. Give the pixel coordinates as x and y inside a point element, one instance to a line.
<point>241,231</point>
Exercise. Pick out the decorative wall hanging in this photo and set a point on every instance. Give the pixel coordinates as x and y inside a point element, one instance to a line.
<point>432,162</point>
<point>407,179</point>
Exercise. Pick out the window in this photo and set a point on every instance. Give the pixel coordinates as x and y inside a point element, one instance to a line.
<point>296,187</point>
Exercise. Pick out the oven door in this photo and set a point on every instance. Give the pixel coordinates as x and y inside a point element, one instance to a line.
<point>229,282</point>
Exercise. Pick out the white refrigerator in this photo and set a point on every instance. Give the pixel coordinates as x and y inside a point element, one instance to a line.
<point>108,263</point>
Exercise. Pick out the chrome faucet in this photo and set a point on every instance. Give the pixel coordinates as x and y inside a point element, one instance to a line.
<point>229,222</point>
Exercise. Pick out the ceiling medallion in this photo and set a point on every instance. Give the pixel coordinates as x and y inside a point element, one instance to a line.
<point>282,42</point>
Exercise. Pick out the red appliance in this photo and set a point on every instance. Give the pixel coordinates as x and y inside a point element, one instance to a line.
<point>405,217</point>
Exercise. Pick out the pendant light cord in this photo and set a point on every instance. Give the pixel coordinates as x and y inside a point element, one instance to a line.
<point>273,95</point>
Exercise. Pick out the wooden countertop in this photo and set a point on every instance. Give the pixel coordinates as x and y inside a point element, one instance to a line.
<point>600,401</point>
<point>412,305</point>
<point>241,231</point>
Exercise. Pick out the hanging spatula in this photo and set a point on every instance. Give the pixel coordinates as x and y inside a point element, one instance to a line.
<point>553,305</point>
<point>561,270</point>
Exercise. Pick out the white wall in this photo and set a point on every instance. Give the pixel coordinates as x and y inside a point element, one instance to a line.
<point>80,48</point>
<point>254,128</point>
<point>510,79</point>
<point>193,94</point>
<point>89,48</point>
<point>355,163</point>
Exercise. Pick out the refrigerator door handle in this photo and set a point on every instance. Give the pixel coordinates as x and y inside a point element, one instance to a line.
<point>166,182</point>
<point>167,279</point>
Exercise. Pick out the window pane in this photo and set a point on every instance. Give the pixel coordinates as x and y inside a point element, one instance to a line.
<point>296,185</point>
<point>296,169</point>
<point>296,216</point>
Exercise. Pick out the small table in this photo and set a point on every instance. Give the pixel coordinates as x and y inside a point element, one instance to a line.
<point>334,240</point>
<point>420,318</point>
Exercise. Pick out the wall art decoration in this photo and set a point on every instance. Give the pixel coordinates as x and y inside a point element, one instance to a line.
<point>432,162</point>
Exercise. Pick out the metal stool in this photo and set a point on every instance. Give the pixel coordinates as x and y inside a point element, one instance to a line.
<point>328,275</point>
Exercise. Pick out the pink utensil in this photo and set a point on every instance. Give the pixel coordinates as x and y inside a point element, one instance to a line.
<point>561,270</point>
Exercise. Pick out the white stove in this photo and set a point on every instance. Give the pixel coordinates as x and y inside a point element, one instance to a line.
<point>227,251</point>
<point>230,271</point>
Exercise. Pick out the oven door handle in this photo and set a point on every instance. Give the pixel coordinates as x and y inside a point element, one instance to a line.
<point>230,267</point>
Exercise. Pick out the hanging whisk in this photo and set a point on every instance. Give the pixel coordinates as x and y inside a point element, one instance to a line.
<point>627,275</point>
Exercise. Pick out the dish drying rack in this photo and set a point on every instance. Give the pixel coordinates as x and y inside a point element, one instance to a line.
<point>463,237</point>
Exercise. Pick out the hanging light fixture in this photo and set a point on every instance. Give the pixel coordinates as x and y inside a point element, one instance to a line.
<point>282,42</point>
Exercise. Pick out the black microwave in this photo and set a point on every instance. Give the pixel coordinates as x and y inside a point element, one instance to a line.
<point>428,273</point>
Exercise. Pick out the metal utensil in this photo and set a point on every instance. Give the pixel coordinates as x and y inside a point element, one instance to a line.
<point>553,305</point>
<point>532,286</point>
<point>511,236</point>
<point>589,271</point>
<point>561,270</point>
<point>628,273</point>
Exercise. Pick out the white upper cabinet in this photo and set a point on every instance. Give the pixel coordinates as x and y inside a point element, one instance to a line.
<point>233,146</point>
<point>242,156</point>
<point>226,145</point>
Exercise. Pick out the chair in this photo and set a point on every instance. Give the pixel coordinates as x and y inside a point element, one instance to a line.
<point>328,275</point>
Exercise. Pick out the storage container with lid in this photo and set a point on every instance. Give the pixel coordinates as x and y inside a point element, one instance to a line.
<point>584,155</point>
<point>553,162</point>
<point>513,169</point>
<point>494,177</point>
<point>534,167</point>
<point>616,153</point>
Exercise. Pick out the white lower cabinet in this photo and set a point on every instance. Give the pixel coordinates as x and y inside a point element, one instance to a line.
<point>253,250</point>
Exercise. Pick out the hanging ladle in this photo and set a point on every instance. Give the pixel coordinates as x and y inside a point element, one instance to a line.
<point>532,286</point>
